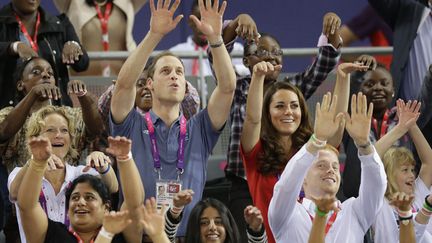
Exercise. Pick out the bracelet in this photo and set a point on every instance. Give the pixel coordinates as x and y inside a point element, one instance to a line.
<point>425,212</point>
<point>106,170</point>
<point>429,206</point>
<point>317,142</point>
<point>363,146</point>
<point>82,93</point>
<point>217,44</point>
<point>404,214</point>
<point>106,234</point>
<point>405,220</point>
<point>15,46</point>
<point>125,158</point>
<point>320,213</point>
<point>36,167</point>
<point>176,210</point>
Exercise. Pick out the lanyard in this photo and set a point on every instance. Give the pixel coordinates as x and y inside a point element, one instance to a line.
<point>32,41</point>
<point>104,23</point>
<point>195,64</point>
<point>384,125</point>
<point>43,203</point>
<point>155,151</point>
<point>79,240</point>
<point>330,222</point>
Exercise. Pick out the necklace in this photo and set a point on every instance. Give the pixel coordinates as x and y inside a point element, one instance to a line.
<point>100,4</point>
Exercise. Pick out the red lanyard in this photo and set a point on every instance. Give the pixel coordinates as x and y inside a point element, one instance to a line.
<point>79,240</point>
<point>104,23</point>
<point>384,125</point>
<point>195,65</point>
<point>32,41</point>
<point>330,222</point>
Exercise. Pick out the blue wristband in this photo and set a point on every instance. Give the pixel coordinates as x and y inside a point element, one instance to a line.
<point>105,171</point>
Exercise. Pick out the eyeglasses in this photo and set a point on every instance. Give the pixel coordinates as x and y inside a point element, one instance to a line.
<point>263,53</point>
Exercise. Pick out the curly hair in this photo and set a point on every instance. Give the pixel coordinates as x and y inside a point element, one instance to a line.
<point>36,124</point>
<point>274,158</point>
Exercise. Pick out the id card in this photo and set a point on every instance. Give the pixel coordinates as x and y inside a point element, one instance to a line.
<point>165,192</point>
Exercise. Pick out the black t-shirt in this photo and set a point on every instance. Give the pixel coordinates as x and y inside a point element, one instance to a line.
<point>57,232</point>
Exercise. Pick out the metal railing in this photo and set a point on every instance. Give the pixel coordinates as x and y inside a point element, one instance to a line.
<point>201,55</point>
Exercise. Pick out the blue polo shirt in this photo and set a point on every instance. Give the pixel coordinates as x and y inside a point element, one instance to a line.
<point>200,140</point>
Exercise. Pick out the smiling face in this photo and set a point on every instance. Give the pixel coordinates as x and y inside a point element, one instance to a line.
<point>323,178</point>
<point>378,88</point>
<point>57,131</point>
<point>168,82</point>
<point>399,165</point>
<point>37,71</point>
<point>285,112</point>
<point>143,98</point>
<point>404,177</point>
<point>86,209</point>
<point>267,49</point>
<point>211,226</point>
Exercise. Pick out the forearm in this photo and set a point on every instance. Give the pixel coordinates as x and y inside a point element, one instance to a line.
<point>16,118</point>
<point>255,99</point>
<point>423,148</point>
<point>91,116</point>
<point>384,143</point>
<point>133,190</point>
<point>229,32</point>
<point>317,233</point>
<point>223,68</point>
<point>16,183</point>
<point>110,180</point>
<point>29,190</point>
<point>407,233</point>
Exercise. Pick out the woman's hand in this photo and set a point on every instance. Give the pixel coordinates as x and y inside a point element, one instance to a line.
<point>115,222</point>
<point>71,52</point>
<point>253,218</point>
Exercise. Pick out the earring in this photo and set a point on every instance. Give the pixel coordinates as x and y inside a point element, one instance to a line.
<point>393,95</point>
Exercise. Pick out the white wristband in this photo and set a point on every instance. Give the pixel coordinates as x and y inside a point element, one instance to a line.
<point>105,233</point>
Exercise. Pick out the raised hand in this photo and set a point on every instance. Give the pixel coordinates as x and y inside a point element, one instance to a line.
<point>46,91</point>
<point>211,19</point>
<point>183,198</point>
<point>326,204</point>
<point>152,221</point>
<point>358,124</point>
<point>116,222</point>
<point>119,146</point>
<point>246,28</point>
<point>161,21</point>
<point>327,122</point>
<point>331,23</point>
<point>263,68</point>
<point>77,87</point>
<point>253,218</point>
<point>25,52</point>
<point>97,160</point>
<point>346,68</point>
<point>402,201</point>
<point>367,60</point>
<point>408,113</point>
<point>71,52</point>
<point>55,163</point>
<point>40,148</point>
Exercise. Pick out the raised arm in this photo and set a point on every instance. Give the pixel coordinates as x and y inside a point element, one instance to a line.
<point>408,115</point>
<point>161,23</point>
<point>373,177</point>
<point>252,124</point>
<point>403,202</point>
<point>425,153</point>
<point>130,180</point>
<point>243,26</point>
<point>255,227</point>
<point>19,114</point>
<point>153,221</point>
<point>33,218</point>
<point>211,25</point>
<point>323,207</point>
<point>113,223</point>
<point>342,90</point>
<point>102,164</point>
<point>91,116</point>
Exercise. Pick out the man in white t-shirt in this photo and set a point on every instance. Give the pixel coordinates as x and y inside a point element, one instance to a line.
<point>315,167</point>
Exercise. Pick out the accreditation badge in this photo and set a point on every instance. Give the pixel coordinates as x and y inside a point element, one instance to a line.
<point>165,192</point>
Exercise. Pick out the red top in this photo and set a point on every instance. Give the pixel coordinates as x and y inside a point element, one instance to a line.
<point>260,186</point>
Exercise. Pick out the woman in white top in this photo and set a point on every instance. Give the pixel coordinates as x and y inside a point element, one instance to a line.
<point>399,165</point>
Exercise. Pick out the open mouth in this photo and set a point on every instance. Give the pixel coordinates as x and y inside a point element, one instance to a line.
<point>329,180</point>
<point>81,212</point>
<point>212,236</point>
<point>288,120</point>
<point>57,145</point>
<point>410,183</point>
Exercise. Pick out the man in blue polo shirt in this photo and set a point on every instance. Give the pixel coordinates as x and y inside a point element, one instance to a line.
<point>168,149</point>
